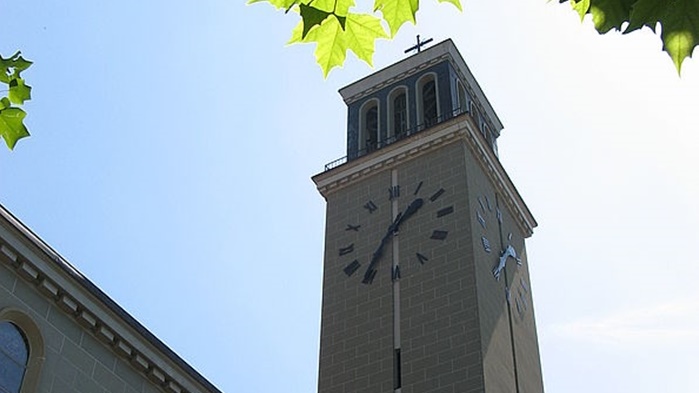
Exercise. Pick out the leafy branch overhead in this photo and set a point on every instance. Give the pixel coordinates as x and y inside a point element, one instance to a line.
<point>676,21</point>
<point>335,28</point>
<point>11,117</point>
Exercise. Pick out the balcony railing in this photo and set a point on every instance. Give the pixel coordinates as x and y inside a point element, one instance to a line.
<point>395,138</point>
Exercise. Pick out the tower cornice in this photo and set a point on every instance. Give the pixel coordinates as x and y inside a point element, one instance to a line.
<point>461,129</point>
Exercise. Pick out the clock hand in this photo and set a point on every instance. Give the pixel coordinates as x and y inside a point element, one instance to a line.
<point>392,229</point>
<point>509,252</point>
<point>371,271</point>
<point>409,211</point>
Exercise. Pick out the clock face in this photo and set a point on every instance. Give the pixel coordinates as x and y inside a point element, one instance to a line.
<point>363,255</point>
<point>489,214</point>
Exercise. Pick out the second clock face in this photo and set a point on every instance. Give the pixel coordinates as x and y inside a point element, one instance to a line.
<point>488,215</point>
<point>397,208</point>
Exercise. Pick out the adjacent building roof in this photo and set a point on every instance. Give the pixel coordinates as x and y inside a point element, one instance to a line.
<point>59,281</point>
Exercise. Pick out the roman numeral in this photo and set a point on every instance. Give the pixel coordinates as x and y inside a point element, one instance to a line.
<point>480,219</point>
<point>395,273</point>
<point>439,235</point>
<point>445,211</point>
<point>498,213</point>
<point>524,300</point>
<point>480,202</point>
<point>487,202</point>
<point>523,284</point>
<point>417,189</point>
<point>370,206</point>
<point>486,244</point>
<point>421,258</point>
<point>352,267</point>
<point>351,227</point>
<point>346,250</point>
<point>393,192</point>
<point>436,195</point>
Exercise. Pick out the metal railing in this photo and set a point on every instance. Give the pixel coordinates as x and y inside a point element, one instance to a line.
<point>371,147</point>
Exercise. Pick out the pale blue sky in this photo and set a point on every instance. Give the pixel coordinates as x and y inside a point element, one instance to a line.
<point>173,144</point>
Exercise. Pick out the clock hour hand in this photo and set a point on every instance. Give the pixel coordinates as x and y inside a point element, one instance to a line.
<point>409,211</point>
<point>509,252</point>
<point>392,229</point>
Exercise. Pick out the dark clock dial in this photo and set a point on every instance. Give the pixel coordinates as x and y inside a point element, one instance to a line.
<point>411,208</point>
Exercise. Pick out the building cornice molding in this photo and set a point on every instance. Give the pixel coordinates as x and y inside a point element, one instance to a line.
<point>460,129</point>
<point>63,285</point>
<point>389,81</point>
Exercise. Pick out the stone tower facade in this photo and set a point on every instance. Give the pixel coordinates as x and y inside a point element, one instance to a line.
<point>426,283</point>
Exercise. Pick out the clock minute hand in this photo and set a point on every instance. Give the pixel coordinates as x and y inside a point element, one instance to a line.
<point>370,271</point>
<point>392,229</point>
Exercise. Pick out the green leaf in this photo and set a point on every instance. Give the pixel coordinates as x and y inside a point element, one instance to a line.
<point>5,103</point>
<point>610,14</point>
<point>679,21</point>
<point>581,6</point>
<point>645,13</point>
<point>332,41</point>
<point>12,66</point>
<point>278,4</point>
<point>680,25</point>
<point>20,63</point>
<point>397,12</point>
<point>456,3</point>
<point>362,32</point>
<point>12,127</point>
<point>337,7</point>
<point>310,17</point>
<point>680,30</point>
<point>19,92</point>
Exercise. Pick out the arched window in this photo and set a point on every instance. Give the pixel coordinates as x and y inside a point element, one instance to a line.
<point>490,137</point>
<point>398,118</point>
<point>463,101</point>
<point>428,103</point>
<point>474,112</point>
<point>14,354</point>
<point>371,125</point>
<point>21,352</point>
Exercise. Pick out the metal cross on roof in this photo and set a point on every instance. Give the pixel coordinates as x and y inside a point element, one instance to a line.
<point>419,44</point>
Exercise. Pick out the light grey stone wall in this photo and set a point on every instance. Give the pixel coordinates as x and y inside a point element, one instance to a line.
<point>75,361</point>
<point>441,343</point>
<point>502,325</point>
<point>458,332</point>
<point>356,325</point>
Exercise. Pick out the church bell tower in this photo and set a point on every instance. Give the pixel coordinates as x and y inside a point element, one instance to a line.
<point>426,280</point>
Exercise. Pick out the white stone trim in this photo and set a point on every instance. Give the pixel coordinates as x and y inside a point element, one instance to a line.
<point>390,110</point>
<point>460,129</point>
<point>419,104</point>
